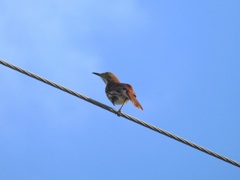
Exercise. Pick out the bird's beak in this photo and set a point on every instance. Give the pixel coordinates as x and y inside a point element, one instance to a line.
<point>101,75</point>
<point>98,74</point>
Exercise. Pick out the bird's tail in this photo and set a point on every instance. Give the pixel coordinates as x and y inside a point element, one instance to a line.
<point>134,100</point>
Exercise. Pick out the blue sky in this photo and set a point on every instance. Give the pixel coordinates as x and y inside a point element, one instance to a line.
<point>181,57</point>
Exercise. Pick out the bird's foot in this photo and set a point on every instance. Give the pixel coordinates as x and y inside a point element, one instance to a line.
<point>118,112</point>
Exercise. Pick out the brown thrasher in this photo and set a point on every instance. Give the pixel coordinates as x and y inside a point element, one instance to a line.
<point>118,93</point>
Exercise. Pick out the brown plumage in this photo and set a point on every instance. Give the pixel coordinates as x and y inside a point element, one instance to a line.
<point>118,93</point>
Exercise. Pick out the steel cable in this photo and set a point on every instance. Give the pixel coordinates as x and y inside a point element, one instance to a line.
<point>193,145</point>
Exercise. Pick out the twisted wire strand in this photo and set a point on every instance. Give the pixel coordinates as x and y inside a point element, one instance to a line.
<point>156,129</point>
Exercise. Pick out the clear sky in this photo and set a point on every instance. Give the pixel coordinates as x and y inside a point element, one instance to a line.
<point>181,57</point>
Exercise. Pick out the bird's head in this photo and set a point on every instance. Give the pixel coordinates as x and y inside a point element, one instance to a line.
<point>107,77</point>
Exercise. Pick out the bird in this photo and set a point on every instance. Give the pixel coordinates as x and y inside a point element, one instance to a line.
<point>118,93</point>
